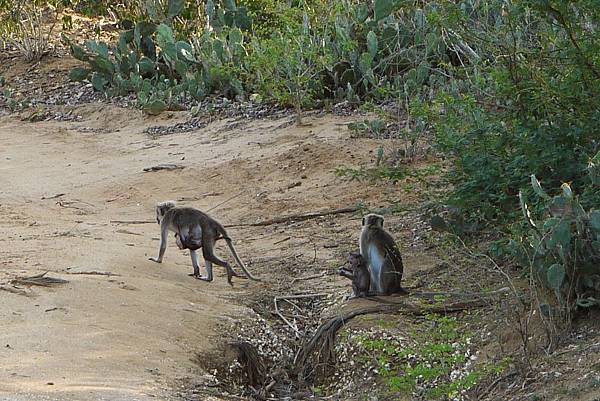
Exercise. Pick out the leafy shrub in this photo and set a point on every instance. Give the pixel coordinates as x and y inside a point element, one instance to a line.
<point>23,25</point>
<point>318,50</point>
<point>147,60</point>
<point>562,248</point>
<point>532,108</point>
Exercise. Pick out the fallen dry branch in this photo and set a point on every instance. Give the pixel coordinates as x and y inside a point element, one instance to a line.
<point>462,295</point>
<point>14,291</point>
<point>308,277</point>
<point>127,232</point>
<point>300,296</point>
<point>163,166</point>
<point>53,196</point>
<point>324,337</point>
<point>197,197</point>
<point>282,240</point>
<point>296,217</point>
<point>133,221</point>
<point>285,320</point>
<point>69,205</point>
<point>287,298</point>
<point>224,202</point>
<point>96,273</point>
<point>40,280</point>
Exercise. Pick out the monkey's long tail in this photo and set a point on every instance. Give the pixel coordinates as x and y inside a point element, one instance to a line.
<point>238,260</point>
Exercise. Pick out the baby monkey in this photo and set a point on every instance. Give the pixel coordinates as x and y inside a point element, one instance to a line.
<point>191,241</point>
<point>194,230</point>
<point>358,273</point>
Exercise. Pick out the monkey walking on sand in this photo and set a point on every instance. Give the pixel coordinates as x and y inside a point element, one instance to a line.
<point>194,230</point>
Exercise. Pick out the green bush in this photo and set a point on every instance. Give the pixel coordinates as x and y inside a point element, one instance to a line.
<point>532,106</point>
<point>316,50</point>
<point>562,249</point>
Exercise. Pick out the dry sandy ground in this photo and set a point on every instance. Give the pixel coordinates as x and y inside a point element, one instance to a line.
<point>132,335</point>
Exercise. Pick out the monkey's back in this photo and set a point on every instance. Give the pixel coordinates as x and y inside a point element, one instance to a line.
<point>182,215</point>
<point>387,255</point>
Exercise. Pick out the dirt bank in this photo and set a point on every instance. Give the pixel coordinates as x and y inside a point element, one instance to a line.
<point>132,334</point>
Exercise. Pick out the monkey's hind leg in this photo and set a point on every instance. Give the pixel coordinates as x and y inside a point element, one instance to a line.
<point>209,274</point>
<point>210,257</point>
<point>195,265</point>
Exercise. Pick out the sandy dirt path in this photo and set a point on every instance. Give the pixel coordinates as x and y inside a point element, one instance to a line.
<point>133,334</point>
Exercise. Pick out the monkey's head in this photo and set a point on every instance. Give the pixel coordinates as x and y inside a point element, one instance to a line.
<point>162,208</point>
<point>355,259</point>
<point>372,219</point>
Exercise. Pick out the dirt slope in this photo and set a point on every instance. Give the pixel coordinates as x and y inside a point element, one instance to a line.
<point>133,334</point>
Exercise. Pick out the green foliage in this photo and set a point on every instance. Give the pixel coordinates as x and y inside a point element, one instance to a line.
<point>434,367</point>
<point>147,59</point>
<point>28,25</point>
<point>320,50</point>
<point>96,8</point>
<point>562,247</point>
<point>12,100</point>
<point>532,106</point>
<point>374,173</point>
<point>373,128</point>
<point>227,14</point>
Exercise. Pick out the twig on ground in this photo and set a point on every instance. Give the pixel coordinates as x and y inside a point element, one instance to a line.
<point>133,221</point>
<point>53,309</point>
<point>282,240</point>
<point>95,273</point>
<point>293,304</point>
<point>127,232</point>
<point>14,291</point>
<point>197,197</point>
<point>278,313</point>
<point>52,197</point>
<point>163,166</point>
<point>39,280</point>
<point>225,201</point>
<point>299,296</point>
<point>495,383</point>
<point>308,277</point>
<point>68,205</point>
<point>296,217</point>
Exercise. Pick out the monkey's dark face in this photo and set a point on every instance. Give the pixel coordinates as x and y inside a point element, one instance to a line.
<point>162,208</point>
<point>355,259</point>
<point>159,215</point>
<point>373,220</point>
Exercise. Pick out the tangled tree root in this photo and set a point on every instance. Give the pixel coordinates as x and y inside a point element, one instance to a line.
<point>252,364</point>
<point>323,341</point>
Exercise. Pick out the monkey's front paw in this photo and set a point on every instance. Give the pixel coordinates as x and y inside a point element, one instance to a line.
<point>350,296</point>
<point>155,260</point>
